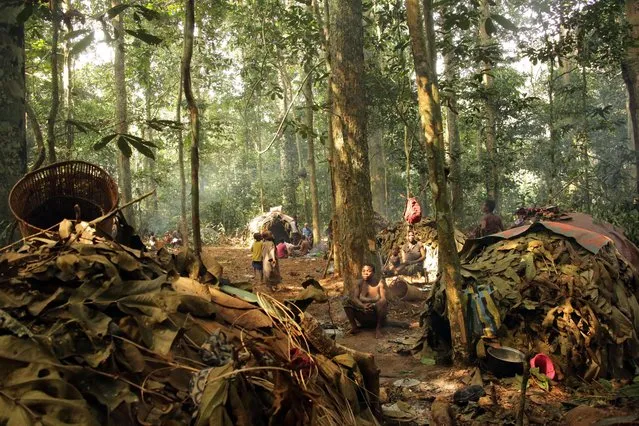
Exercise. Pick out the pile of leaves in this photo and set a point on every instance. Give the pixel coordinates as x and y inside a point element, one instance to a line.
<point>94,333</point>
<point>425,232</point>
<point>555,297</point>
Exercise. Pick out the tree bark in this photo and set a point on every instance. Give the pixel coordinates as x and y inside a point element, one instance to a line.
<point>554,136</point>
<point>323,23</point>
<point>630,73</point>
<point>551,171</point>
<point>37,131</point>
<point>288,170</point>
<point>452,139</point>
<point>260,173</point>
<point>13,142</point>
<point>423,48</point>
<point>492,173</point>
<point>289,178</point>
<point>67,81</point>
<point>55,93</point>
<point>122,125</point>
<point>189,26</point>
<point>152,202</point>
<point>584,142</point>
<point>378,169</point>
<point>310,162</point>
<point>407,151</point>
<point>178,117</point>
<point>257,130</point>
<point>353,230</point>
<point>302,177</point>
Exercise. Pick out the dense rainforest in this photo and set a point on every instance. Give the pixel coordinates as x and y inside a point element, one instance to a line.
<point>210,113</point>
<point>537,102</point>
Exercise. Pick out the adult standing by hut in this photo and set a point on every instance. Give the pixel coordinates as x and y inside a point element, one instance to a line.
<point>270,264</point>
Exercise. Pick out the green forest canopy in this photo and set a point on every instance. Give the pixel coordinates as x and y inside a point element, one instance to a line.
<point>560,122</point>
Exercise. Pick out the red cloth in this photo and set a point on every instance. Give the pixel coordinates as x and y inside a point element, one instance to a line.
<point>413,211</point>
<point>282,253</point>
<point>623,244</point>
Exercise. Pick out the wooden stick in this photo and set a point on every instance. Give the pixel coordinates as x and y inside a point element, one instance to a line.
<point>328,262</point>
<point>108,215</point>
<point>23,240</point>
<point>524,387</point>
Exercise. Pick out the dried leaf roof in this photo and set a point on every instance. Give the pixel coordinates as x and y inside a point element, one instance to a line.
<point>96,333</point>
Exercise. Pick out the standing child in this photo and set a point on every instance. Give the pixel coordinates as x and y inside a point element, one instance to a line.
<point>256,256</point>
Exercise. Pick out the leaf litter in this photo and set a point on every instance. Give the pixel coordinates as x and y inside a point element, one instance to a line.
<point>553,296</point>
<point>94,333</point>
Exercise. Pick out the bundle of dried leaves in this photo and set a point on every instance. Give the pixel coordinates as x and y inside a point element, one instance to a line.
<point>96,333</point>
<point>556,297</point>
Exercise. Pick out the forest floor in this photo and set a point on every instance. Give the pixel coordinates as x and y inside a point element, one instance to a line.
<point>410,383</point>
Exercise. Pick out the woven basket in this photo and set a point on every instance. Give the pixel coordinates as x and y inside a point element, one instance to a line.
<point>44,197</point>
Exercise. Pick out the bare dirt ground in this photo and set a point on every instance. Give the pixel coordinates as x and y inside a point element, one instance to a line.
<point>410,383</point>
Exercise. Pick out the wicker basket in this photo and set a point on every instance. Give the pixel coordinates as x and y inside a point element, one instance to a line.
<point>44,197</point>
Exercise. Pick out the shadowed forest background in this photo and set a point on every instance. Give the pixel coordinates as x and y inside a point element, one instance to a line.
<point>209,113</point>
<point>534,103</point>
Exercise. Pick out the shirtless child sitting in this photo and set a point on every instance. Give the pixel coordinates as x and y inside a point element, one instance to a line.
<point>367,304</point>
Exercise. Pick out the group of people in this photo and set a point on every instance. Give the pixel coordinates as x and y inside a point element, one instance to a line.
<point>285,249</point>
<point>264,259</point>
<point>172,239</point>
<point>366,306</point>
<point>412,258</point>
<point>266,252</point>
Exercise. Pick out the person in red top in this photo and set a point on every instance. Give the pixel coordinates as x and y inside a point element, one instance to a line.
<point>282,251</point>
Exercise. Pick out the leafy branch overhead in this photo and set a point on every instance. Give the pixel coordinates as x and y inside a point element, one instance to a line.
<point>125,142</point>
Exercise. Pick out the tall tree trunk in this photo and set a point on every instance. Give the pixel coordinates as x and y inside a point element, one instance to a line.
<point>289,177</point>
<point>407,150</point>
<point>189,26</point>
<point>492,175</point>
<point>302,177</point>
<point>423,47</point>
<point>55,75</point>
<point>452,139</point>
<point>288,170</point>
<point>310,161</point>
<point>630,73</point>
<point>152,203</point>
<point>260,172</point>
<point>330,145</point>
<point>584,145</point>
<point>37,131</point>
<point>257,131</point>
<point>554,136</point>
<point>13,142</point>
<point>353,230</point>
<point>378,169</point>
<point>67,81</point>
<point>122,125</point>
<point>178,117</point>
<point>551,171</point>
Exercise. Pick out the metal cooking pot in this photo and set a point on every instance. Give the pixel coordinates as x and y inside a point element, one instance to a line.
<point>505,361</point>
